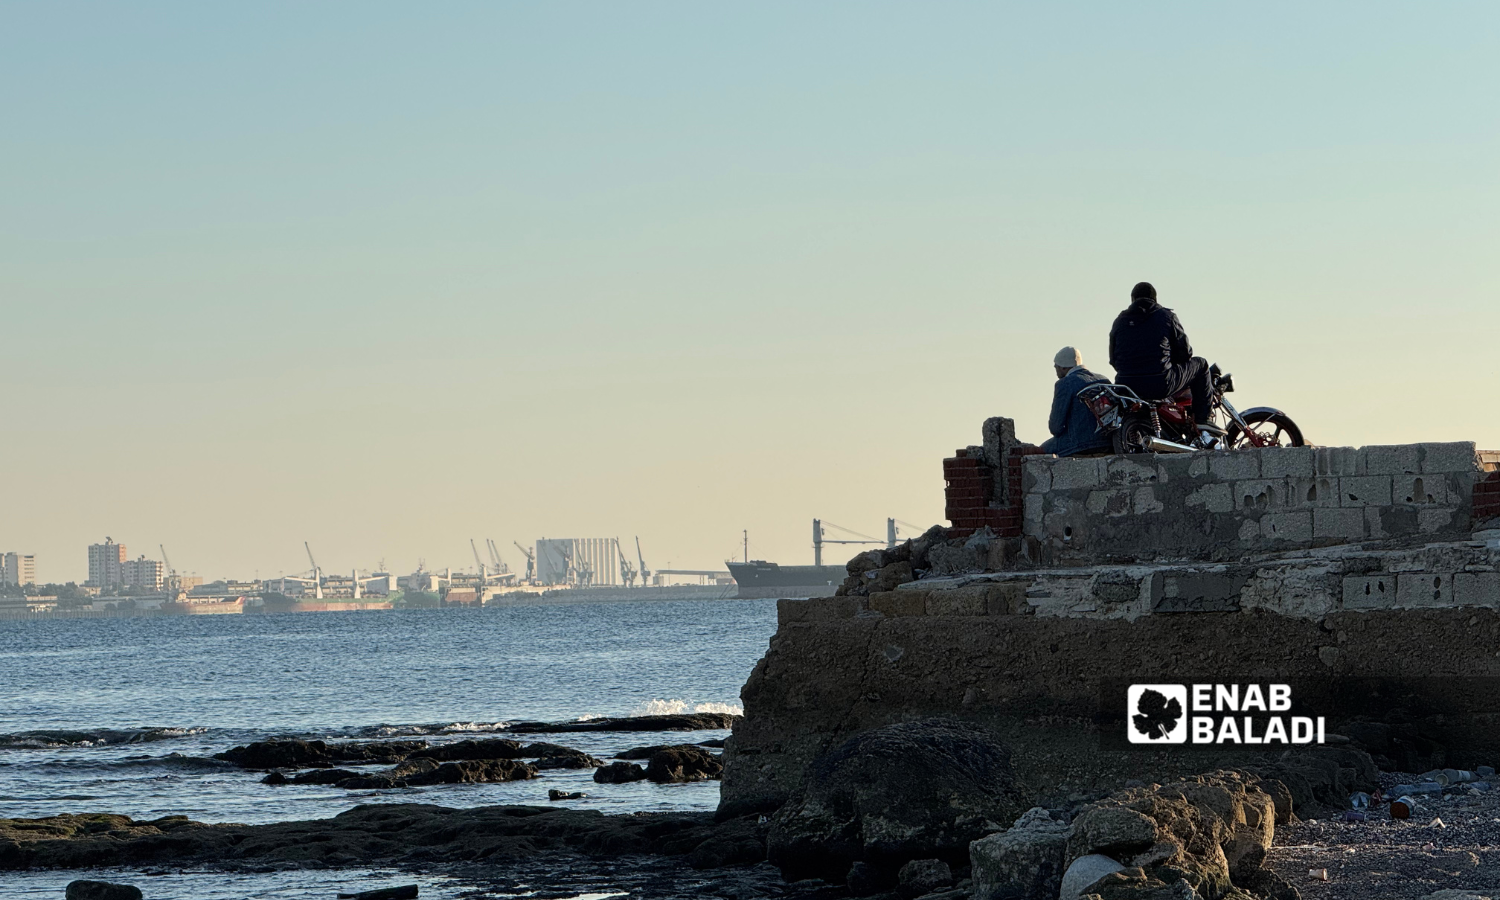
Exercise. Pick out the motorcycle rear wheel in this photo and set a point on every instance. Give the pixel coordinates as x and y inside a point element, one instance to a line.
<point>1273,428</point>
<point>1133,436</point>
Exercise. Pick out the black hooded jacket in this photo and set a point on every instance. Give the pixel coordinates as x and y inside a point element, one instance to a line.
<point>1147,340</point>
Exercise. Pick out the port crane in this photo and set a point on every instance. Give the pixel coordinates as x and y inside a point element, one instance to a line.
<point>500,566</point>
<point>627,571</point>
<point>530,563</point>
<point>645,572</point>
<point>173,584</point>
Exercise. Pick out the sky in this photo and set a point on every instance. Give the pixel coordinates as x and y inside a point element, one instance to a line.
<point>387,277</point>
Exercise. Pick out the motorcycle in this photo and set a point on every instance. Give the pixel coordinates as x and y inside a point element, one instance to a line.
<point>1166,426</point>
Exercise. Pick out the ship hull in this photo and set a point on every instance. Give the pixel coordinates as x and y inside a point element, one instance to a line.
<point>759,580</point>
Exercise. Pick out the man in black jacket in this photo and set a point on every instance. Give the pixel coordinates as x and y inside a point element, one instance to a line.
<point>1152,356</point>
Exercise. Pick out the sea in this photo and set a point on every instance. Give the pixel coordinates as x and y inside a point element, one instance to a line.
<point>123,715</point>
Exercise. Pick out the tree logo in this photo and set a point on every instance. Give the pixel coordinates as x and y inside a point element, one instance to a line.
<point>1157,713</point>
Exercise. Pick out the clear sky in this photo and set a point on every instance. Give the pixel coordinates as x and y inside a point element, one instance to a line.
<point>386,277</point>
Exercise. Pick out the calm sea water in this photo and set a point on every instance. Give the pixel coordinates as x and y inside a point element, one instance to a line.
<point>154,698</point>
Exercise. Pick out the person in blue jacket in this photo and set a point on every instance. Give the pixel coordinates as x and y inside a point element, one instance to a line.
<point>1074,428</point>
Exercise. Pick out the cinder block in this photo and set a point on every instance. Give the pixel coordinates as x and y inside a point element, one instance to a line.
<point>1109,503</point>
<point>964,601</point>
<point>1374,524</point>
<point>1395,459</point>
<point>1035,507</point>
<point>1365,490</point>
<point>1200,592</point>
<point>1174,466</point>
<point>1036,474</point>
<point>1457,456</point>
<point>1433,521</point>
<point>1260,494</point>
<point>1295,527</point>
<point>1476,589</point>
<point>1143,501</point>
<point>1217,497</point>
<point>1416,589</point>
<point>1121,470</point>
<point>822,609</point>
<point>1198,465</point>
<point>1348,524</point>
<point>1235,466</point>
<point>1369,591</point>
<point>1312,492</point>
<point>897,604</point>
<point>1286,462</point>
<point>1076,474</point>
<point>1337,461</point>
<point>1419,490</point>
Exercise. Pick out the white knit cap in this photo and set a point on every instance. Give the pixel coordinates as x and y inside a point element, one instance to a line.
<point>1067,358</point>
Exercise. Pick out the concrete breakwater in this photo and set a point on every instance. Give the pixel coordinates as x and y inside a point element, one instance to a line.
<point>1321,566</point>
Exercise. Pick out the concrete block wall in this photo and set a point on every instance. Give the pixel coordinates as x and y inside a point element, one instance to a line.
<point>1221,505</point>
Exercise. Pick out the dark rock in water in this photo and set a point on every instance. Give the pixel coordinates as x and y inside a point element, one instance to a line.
<point>716,743</point>
<point>297,754</point>
<point>619,773</point>
<point>317,776</point>
<point>648,752</point>
<point>923,876</point>
<point>404,892</point>
<point>917,790</point>
<point>102,890</point>
<point>490,748</point>
<point>573,759</point>
<point>683,764</point>
<point>475,771</point>
<point>864,879</point>
<point>556,794</point>
<point>275,777</point>
<point>672,722</point>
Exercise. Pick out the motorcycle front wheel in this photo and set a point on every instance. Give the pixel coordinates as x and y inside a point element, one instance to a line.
<point>1274,429</point>
<point>1134,436</point>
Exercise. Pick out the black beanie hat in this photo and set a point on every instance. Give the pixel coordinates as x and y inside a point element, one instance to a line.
<point>1144,289</point>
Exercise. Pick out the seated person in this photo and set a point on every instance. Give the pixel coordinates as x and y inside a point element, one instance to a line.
<point>1074,428</point>
<point>1151,354</point>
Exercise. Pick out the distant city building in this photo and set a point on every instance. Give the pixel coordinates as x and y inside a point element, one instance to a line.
<point>17,568</point>
<point>106,564</point>
<point>143,573</point>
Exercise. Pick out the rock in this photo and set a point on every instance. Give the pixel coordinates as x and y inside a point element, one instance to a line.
<point>619,773</point>
<point>683,764</point>
<point>490,748</point>
<point>718,744</point>
<point>1025,861</point>
<point>274,778</point>
<point>721,852</point>
<point>101,890</point>
<point>404,892</point>
<point>865,879</point>
<point>474,771</point>
<point>1110,831</point>
<point>698,721</point>
<point>916,790</point>
<point>573,759</point>
<point>648,752</point>
<point>1456,894</point>
<point>1084,872</point>
<point>321,776</point>
<point>297,754</point>
<point>923,876</point>
<point>958,557</point>
<point>555,794</point>
<point>1210,831</point>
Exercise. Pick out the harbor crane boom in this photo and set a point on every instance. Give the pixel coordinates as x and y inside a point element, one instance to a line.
<point>477,563</point>
<point>645,572</point>
<point>530,563</point>
<point>317,576</point>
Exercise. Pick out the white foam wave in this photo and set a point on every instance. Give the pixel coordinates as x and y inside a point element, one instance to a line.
<point>677,707</point>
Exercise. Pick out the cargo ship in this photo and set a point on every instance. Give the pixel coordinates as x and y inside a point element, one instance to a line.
<point>758,579</point>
